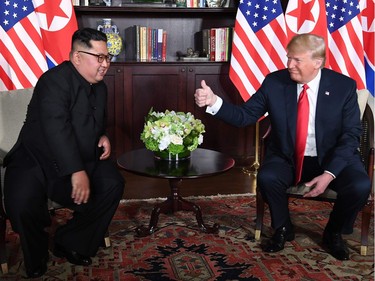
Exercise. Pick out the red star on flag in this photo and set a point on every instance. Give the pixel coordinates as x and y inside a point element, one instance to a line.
<point>54,6</point>
<point>303,13</point>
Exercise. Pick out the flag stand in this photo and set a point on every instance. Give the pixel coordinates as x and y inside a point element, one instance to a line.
<point>255,165</point>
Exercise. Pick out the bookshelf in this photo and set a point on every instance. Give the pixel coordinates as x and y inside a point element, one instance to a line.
<point>134,87</point>
<point>180,23</point>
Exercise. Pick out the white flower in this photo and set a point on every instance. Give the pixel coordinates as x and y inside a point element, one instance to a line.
<point>200,139</point>
<point>164,142</point>
<point>176,139</point>
<point>172,131</point>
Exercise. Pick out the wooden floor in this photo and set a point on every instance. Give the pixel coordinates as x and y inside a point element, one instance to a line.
<point>234,181</point>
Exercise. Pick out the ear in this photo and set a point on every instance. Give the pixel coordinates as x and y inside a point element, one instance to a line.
<point>318,63</point>
<point>76,58</point>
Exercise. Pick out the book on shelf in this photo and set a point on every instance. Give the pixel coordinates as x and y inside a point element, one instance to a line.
<point>144,43</point>
<point>131,42</point>
<point>159,44</point>
<point>164,47</point>
<point>201,42</point>
<point>214,43</point>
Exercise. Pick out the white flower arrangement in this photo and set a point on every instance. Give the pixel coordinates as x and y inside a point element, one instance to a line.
<point>172,132</point>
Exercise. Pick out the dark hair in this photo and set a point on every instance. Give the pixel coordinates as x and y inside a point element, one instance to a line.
<point>83,37</point>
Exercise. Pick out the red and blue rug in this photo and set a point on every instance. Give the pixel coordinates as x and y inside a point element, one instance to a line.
<point>178,250</point>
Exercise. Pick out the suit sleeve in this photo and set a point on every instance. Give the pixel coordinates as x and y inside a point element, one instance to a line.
<point>343,149</point>
<point>246,114</point>
<point>54,101</point>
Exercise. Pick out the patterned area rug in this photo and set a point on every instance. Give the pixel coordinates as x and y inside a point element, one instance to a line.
<point>178,250</point>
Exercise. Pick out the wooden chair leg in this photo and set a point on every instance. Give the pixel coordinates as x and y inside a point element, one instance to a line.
<point>107,240</point>
<point>366,216</point>
<point>260,213</point>
<point>3,255</point>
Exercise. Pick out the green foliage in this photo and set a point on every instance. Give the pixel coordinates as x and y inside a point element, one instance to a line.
<point>172,131</point>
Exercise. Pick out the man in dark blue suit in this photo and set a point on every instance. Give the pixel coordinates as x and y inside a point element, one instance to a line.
<point>331,156</point>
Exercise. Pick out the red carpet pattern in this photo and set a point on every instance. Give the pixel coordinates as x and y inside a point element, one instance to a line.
<point>178,250</point>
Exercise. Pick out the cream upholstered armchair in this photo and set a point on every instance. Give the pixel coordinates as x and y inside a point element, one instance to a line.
<point>367,155</point>
<point>13,108</point>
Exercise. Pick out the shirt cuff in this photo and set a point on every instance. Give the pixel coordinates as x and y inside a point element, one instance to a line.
<point>328,172</point>
<point>215,107</point>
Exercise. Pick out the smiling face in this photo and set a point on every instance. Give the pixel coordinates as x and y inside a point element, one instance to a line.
<point>88,65</point>
<point>302,66</point>
<point>306,55</point>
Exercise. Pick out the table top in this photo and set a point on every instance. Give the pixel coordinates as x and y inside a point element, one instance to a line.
<point>202,163</point>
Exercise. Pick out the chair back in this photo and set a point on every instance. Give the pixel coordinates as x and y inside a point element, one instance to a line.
<point>367,144</point>
<point>13,108</point>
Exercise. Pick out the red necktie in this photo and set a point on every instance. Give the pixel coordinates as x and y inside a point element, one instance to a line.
<point>301,130</point>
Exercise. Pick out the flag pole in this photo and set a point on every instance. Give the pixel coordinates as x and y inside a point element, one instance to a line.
<point>255,165</point>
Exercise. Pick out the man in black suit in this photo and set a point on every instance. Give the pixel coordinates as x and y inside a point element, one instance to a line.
<point>330,157</point>
<point>62,153</point>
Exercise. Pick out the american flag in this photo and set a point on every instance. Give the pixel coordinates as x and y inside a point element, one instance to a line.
<point>258,46</point>
<point>35,35</point>
<point>345,39</point>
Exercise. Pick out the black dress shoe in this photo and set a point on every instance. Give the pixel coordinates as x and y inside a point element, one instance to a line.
<point>39,271</point>
<point>72,256</point>
<point>277,242</point>
<point>336,245</point>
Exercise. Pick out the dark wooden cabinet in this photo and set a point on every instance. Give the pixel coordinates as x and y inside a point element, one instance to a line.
<point>135,87</point>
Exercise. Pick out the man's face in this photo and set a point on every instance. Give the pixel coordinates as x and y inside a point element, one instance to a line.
<point>302,67</point>
<point>87,62</point>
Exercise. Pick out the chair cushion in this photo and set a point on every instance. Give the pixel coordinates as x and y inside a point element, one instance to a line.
<point>300,190</point>
<point>362,100</point>
<point>13,108</point>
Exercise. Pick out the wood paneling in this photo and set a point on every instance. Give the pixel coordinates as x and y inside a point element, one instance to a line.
<point>135,87</point>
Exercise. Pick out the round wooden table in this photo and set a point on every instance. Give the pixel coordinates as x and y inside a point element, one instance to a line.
<point>202,163</point>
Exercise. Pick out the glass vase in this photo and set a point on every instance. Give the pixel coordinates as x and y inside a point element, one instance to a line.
<point>166,155</point>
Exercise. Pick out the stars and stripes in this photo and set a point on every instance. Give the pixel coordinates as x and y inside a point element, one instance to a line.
<point>259,42</point>
<point>35,35</point>
<point>345,39</point>
<point>22,58</point>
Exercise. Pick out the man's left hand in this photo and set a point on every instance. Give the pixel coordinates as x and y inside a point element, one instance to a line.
<point>104,142</point>
<point>321,183</point>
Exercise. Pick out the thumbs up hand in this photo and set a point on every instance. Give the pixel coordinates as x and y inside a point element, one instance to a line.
<point>204,96</point>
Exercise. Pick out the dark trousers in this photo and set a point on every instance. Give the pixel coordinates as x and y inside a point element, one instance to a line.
<point>352,186</point>
<point>26,191</point>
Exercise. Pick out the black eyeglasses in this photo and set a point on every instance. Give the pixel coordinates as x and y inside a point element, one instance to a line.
<point>101,58</point>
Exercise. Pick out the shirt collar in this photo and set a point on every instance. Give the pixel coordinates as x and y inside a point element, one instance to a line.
<point>313,84</point>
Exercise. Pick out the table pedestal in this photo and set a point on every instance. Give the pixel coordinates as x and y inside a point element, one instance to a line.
<point>173,204</point>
